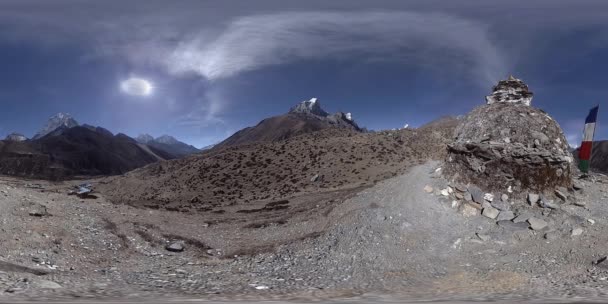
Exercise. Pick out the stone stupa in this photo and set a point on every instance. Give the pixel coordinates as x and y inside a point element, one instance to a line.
<point>507,145</point>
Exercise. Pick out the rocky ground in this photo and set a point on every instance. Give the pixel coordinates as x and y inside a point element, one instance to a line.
<point>411,236</point>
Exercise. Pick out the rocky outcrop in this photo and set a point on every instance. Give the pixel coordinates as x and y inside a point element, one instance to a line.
<point>508,144</point>
<point>512,90</point>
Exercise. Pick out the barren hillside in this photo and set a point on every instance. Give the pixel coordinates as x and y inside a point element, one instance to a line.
<point>326,160</point>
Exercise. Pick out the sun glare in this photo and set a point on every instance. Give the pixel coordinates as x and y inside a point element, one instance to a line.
<point>137,87</point>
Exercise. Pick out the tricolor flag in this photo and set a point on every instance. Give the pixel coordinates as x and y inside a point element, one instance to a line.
<point>584,153</point>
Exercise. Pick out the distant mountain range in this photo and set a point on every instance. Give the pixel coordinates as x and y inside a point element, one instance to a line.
<point>63,148</point>
<point>169,144</point>
<point>305,117</point>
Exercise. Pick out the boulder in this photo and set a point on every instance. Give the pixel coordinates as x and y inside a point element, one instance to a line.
<point>533,198</point>
<point>175,247</point>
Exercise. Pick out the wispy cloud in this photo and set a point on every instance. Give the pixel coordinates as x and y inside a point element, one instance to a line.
<point>253,42</point>
<point>207,113</point>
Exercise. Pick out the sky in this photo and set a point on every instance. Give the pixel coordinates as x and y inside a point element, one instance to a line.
<point>201,70</point>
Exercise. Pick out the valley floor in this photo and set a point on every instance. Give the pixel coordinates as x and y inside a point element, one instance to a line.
<point>389,241</point>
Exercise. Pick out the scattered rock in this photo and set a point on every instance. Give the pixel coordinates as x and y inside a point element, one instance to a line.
<point>468,210</point>
<point>577,186</point>
<point>591,221</point>
<point>459,195</point>
<point>490,212</point>
<point>552,235</point>
<point>505,216</point>
<point>549,204</point>
<point>476,194</point>
<point>560,194</point>
<point>504,197</point>
<point>577,231</point>
<point>314,178</point>
<point>513,226</point>
<point>501,205</point>
<point>46,284</point>
<point>445,192</point>
<point>460,188</point>
<point>522,218</point>
<point>601,261</point>
<point>580,204</point>
<point>428,189</point>
<point>38,210</point>
<point>468,197</point>
<point>175,247</point>
<point>483,237</point>
<point>533,198</point>
<point>536,223</point>
<point>488,197</point>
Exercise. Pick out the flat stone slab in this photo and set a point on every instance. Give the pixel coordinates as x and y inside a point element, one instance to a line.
<point>536,223</point>
<point>505,216</point>
<point>509,225</point>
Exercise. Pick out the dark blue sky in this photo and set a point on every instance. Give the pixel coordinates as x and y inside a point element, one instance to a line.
<point>219,66</point>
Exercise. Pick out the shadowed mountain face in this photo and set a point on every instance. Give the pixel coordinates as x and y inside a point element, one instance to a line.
<point>76,151</point>
<point>305,117</point>
<point>64,149</point>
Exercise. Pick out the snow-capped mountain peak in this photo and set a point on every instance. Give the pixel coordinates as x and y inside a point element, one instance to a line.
<point>144,138</point>
<point>312,106</point>
<point>57,121</point>
<point>166,139</point>
<point>16,137</point>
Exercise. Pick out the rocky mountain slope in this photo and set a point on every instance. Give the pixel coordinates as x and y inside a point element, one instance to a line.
<point>325,160</point>
<point>168,144</point>
<point>305,117</point>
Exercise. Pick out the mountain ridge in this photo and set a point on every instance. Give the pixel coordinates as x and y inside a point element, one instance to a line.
<point>305,117</point>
